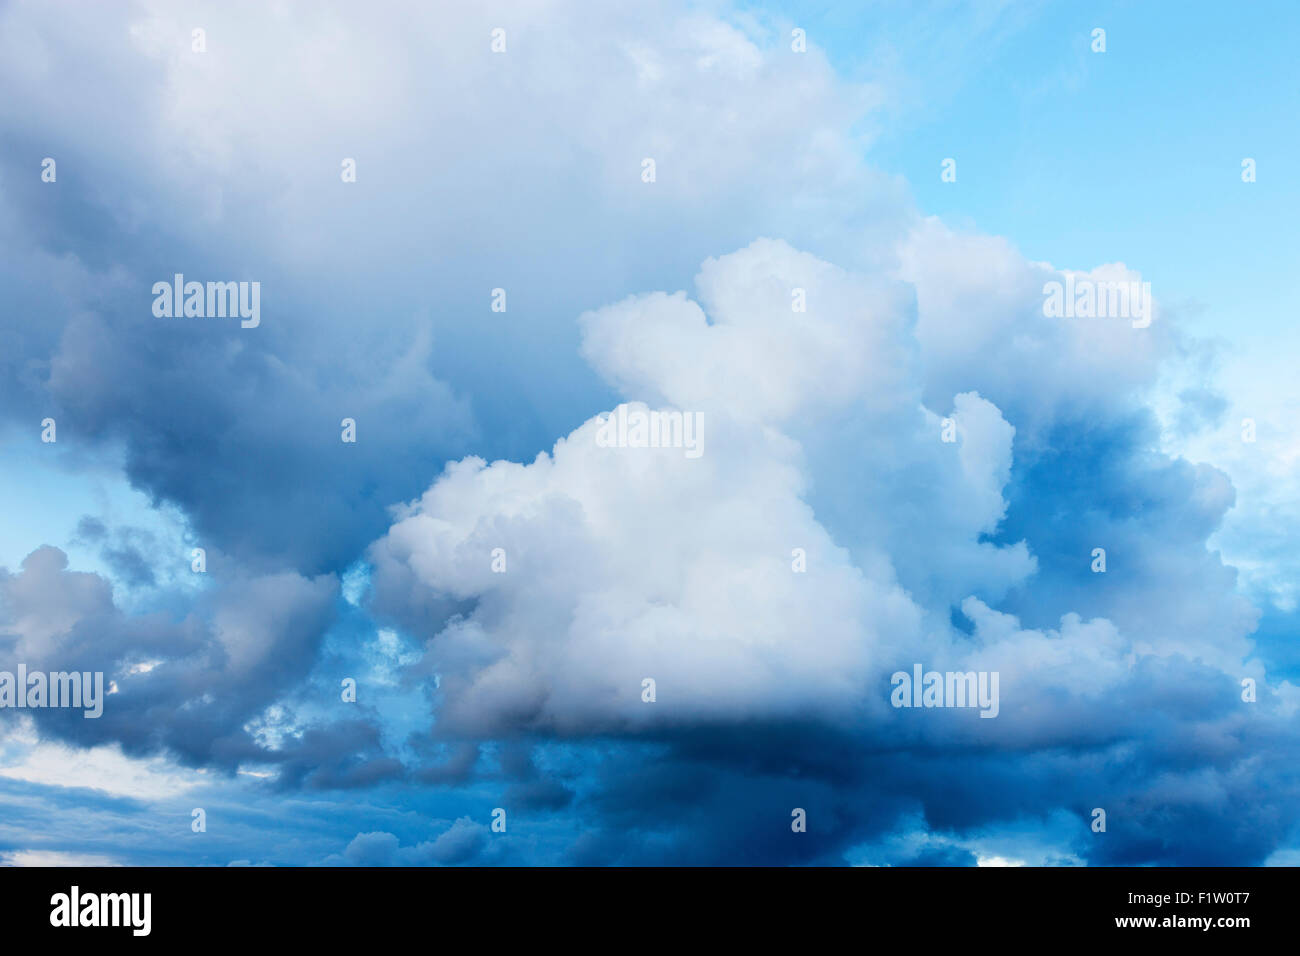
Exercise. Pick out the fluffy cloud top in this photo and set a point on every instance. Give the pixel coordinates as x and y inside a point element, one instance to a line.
<point>633,563</point>
<point>626,563</point>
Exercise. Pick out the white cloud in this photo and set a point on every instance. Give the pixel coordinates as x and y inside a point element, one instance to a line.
<point>626,563</point>
<point>980,324</point>
<point>55,858</point>
<point>103,768</point>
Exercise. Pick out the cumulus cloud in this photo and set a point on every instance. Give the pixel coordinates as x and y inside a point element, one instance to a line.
<point>193,688</point>
<point>375,293</point>
<point>462,842</point>
<point>981,325</point>
<point>633,563</point>
<point>626,564</point>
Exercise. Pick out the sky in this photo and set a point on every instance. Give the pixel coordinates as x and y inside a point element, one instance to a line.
<point>822,234</point>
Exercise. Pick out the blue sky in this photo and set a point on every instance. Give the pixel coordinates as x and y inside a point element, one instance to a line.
<point>518,685</point>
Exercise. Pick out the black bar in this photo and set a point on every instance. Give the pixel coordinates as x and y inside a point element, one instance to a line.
<point>619,907</point>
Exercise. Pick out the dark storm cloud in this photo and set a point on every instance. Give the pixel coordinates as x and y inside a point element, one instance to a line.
<point>186,687</point>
